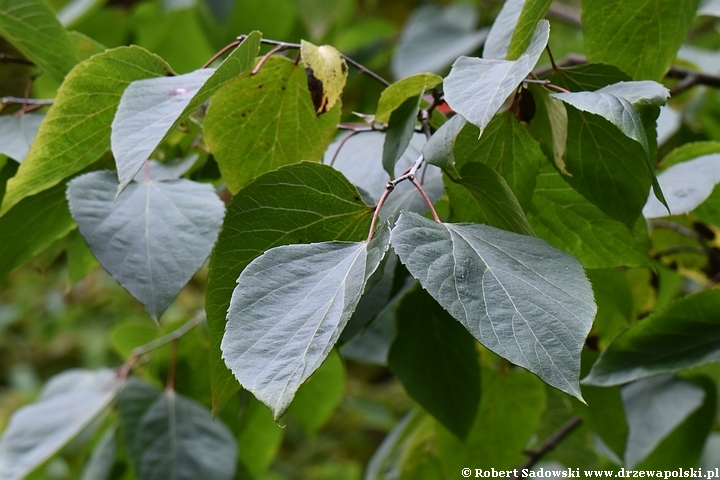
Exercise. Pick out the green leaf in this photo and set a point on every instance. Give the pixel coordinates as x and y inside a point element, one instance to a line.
<point>588,77</point>
<point>399,132</point>
<point>440,148</point>
<point>32,27</point>
<point>31,226</point>
<point>616,103</point>
<point>317,399</point>
<point>509,149</point>
<point>607,168</point>
<point>435,359</point>
<point>654,408</point>
<point>259,437</point>
<point>288,310</point>
<point>170,436</point>
<point>434,36</point>
<point>154,237</point>
<point>550,126</point>
<point>261,122</point>
<point>327,73</point>
<point>509,414</point>
<point>476,88</point>
<point>604,415</point>
<point>567,220</point>
<point>644,47</point>
<point>686,186</point>
<point>18,133</point>
<point>685,335</point>
<point>152,107</point>
<point>393,96</point>
<point>301,203</point>
<point>493,200</point>
<point>69,402</point>
<point>523,299</point>
<point>513,28</point>
<point>76,131</point>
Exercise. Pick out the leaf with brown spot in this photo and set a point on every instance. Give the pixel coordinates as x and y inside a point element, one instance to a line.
<point>327,73</point>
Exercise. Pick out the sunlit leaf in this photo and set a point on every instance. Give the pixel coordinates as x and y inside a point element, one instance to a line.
<point>259,123</point>
<point>288,310</point>
<point>523,299</point>
<point>32,27</point>
<point>476,88</point>
<point>153,238</point>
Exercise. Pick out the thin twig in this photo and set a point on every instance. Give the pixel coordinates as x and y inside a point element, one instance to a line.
<point>219,54</point>
<point>388,188</point>
<point>5,58</point>
<point>358,66</point>
<point>425,197</point>
<point>159,342</point>
<point>172,365</point>
<point>690,79</point>
<point>552,59</point>
<point>342,144</point>
<point>424,116</point>
<point>550,443</point>
<point>277,49</point>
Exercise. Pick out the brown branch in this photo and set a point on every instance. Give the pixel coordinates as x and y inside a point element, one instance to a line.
<point>5,58</point>
<point>550,443</point>
<point>565,13</point>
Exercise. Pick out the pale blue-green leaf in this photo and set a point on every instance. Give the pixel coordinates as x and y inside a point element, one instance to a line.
<point>386,462</point>
<point>476,88</point>
<point>440,149</point>
<point>434,37</point>
<point>654,407</point>
<point>498,39</point>
<point>99,465</point>
<point>148,110</point>
<point>170,437</point>
<point>288,310</point>
<point>153,238</point>
<point>360,161</point>
<point>69,402</point>
<point>520,297</point>
<point>18,133</point>
<point>615,104</point>
<point>710,8</point>
<point>686,185</point>
<point>76,10</point>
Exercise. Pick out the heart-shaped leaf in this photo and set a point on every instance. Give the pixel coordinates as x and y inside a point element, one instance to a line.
<point>523,299</point>
<point>476,88</point>
<point>153,238</point>
<point>289,309</point>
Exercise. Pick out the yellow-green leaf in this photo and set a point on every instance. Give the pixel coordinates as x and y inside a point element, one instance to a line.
<point>327,73</point>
